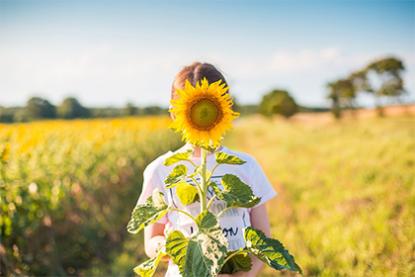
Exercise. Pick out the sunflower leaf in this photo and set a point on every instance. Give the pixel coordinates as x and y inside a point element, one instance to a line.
<point>207,250</point>
<point>225,158</point>
<point>270,251</point>
<point>176,248</point>
<point>178,157</point>
<point>238,262</point>
<point>169,186</point>
<point>148,268</point>
<point>144,214</point>
<point>235,192</point>
<point>176,174</point>
<point>187,193</point>
<point>206,221</point>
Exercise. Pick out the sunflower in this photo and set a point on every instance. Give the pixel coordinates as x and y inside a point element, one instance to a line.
<point>203,113</point>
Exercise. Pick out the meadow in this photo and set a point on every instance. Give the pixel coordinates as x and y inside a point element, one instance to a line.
<point>346,202</point>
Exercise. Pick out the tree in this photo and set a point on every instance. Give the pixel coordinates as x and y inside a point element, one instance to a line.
<point>71,108</point>
<point>335,102</point>
<point>278,102</point>
<point>130,109</point>
<point>360,81</point>
<point>386,73</point>
<point>37,108</point>
<point>342,93</point>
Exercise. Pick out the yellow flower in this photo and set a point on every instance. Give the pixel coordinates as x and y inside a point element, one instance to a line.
<point>203,113</point>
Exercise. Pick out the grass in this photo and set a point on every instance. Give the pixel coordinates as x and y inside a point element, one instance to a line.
<point>346,203</point>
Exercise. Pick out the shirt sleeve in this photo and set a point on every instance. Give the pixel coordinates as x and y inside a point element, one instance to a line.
<point>151,181</point>
<point>260,184</point>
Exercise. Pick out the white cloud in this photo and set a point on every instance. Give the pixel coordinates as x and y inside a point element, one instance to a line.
<point>296,61</point>
<point>304,59</point>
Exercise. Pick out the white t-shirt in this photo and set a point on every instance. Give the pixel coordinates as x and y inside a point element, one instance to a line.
<point>233,221</point>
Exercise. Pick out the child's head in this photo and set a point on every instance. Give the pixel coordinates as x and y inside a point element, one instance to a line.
<point>195,73</point>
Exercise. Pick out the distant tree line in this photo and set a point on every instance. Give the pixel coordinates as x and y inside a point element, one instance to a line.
<point>39,108</point>
<point>381,78</point>
<point>36,108</point>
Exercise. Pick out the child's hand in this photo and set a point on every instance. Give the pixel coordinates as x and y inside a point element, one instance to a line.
<point>165,257</point>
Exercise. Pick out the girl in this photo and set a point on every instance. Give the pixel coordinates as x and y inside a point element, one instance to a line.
<point>233,221</point>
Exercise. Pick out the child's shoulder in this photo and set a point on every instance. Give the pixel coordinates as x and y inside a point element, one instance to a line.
<point>249,159</point>
<point>157,163</point>
<point>251,164</point>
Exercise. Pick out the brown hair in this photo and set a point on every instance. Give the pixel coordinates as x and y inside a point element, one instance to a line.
<point>194,73</point>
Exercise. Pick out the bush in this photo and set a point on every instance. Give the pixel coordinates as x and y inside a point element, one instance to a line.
<point>278,102</point>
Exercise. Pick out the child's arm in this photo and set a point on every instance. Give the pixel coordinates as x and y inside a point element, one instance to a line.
<point>154,239</point>
<point>259,220</point>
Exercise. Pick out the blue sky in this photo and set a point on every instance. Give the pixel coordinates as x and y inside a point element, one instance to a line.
<point>111,52</point>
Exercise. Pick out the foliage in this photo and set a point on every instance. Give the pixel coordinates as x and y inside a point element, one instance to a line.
<point>278,102</point>
<point>37,107</point>
<point>147,213</point>
<point>342,94</point>
<point>387,74</point>
<point>66,189</point>
<point>270,251</point>
<point>205,252</point>
<point>237,261</point>
<point>71,108</point>
<point>235,193</point>
<point>148,268</point>
<point>381,78</point>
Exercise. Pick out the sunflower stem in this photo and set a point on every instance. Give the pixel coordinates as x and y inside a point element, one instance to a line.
<point>184,212</point>
<point>211,201</point>
<point>203,203</point>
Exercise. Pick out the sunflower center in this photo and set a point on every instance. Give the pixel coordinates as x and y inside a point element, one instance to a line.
<point>205,113</point>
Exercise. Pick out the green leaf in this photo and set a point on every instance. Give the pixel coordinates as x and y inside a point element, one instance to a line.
<point>238,262</point>
<point>207,250</point>
<point>176,184</point>
<point>148,268</point>
<point>187,193</point>
<point>175,158</point>
<point>176,174</point>
<point>268,250</point>
<point>235,192</point>
<point>225,158</point>
<point>206,221</point>
<point>144,214</point>
<point>176,248</point>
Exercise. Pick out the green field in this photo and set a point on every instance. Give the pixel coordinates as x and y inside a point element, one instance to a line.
<point>346,204</point>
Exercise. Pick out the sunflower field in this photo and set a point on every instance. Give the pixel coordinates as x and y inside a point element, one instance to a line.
<point>67,188</point>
